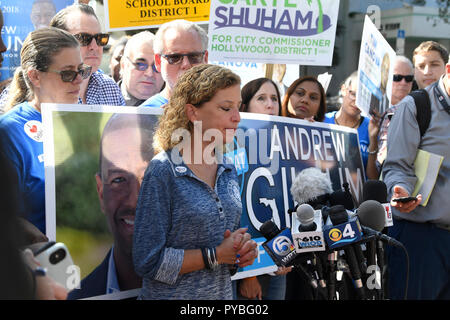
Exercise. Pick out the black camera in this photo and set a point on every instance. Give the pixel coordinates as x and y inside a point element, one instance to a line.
<point>57,256</point>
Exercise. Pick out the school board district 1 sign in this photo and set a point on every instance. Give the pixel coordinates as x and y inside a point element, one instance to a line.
<point>142,14</point>
<point>276,31</point>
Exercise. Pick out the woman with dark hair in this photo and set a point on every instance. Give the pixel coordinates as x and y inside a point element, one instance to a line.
<point>305,99</point>
<point>51,71</point>
<point>262,96</point>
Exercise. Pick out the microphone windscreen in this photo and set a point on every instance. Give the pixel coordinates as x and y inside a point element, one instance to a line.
<point>269,229</point>
<point>375,190</point>
<point>310,184</point>
<point>343,198</point>
<point>305,214</point>
<point>372,214</point>
<point>338,214</point>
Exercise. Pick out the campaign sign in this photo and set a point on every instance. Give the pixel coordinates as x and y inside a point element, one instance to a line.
<point>375,71</point>
<point>268,151</point>
<point>278,148</point>
<point>79,204</point>
<point>292,32</point>
<point>137,14</point>
<point>263,263</point>
<point>19,19</point>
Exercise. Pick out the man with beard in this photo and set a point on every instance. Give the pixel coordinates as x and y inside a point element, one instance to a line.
<point>125,151</point>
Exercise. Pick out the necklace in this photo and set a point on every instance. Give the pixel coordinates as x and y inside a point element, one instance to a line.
<point>357,123</point>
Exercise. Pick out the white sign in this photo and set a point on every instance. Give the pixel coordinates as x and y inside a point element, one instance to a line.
<point>375,71</point>
<point>291,32</point>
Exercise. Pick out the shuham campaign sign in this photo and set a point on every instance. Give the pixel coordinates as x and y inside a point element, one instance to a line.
<point>278,31</point>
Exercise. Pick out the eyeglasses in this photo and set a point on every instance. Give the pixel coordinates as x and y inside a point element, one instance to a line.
<point>71,75</point>
<point>85,38</point>
<point>399,77</point>
<point>351,94</point>
<point>176,58</point>
<point>142,66</point>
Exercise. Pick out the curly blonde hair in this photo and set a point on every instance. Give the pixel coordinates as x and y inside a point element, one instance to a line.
<point>196,86</point>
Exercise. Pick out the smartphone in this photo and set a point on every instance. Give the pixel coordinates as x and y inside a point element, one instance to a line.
<point>55,257</point>
<point>404,199</point>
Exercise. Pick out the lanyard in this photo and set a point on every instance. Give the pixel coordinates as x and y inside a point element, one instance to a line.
<point>441,98</point>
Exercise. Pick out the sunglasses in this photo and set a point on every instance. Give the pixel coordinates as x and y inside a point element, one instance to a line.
<point>399,77</point>
<point>85,38</point>
<point>70,75</point>
<point>176,58</point>
<point>142,66</point>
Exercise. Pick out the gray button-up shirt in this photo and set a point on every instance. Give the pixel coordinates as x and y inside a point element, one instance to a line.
<point>403,142</point>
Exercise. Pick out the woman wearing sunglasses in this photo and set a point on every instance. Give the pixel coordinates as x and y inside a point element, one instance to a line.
<point>51,72</point>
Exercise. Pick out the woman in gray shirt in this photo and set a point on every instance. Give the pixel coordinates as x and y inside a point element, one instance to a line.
<point>187,236</point>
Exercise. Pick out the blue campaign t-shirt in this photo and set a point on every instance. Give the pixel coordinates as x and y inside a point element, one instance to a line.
<point>155,101</point>
<point>21,136</point>
<point>363,133</point>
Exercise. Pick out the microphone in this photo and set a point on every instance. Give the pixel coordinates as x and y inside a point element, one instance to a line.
<point>311,186</point>
<point>339,216</point>
<point>332,271</point>
<point>305,215</point>
<point>377,190</point>
<point>309,238</point>
<point>340,231</point>
<point>280,249</point>
<point>279,244</point>
<point>307,229</point>
<point>343,197</point>
<point>371,216</point>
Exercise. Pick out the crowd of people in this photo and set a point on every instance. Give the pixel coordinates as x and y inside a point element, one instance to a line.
<point>176,224</point>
